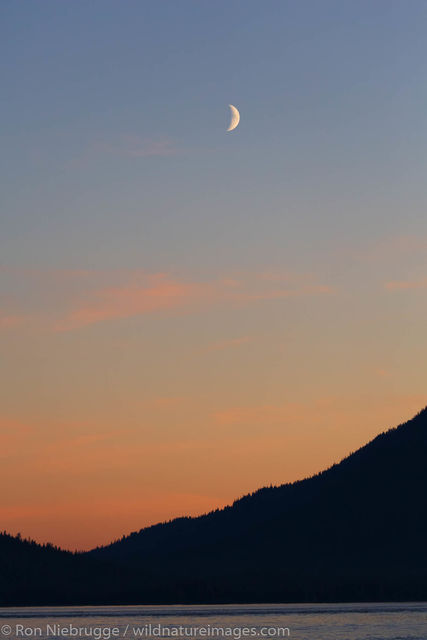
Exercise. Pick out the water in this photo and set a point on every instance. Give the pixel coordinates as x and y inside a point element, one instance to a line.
<point>389,621</point>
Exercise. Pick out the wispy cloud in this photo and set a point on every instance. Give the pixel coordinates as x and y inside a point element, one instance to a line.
<point>399,285</point>
<point>400,244</point>
<point>266,414</point>
<point>152,148</point>
<point>10,321</point>
<point>278,294</point>
<point>266,285</point>
<point>160,292</point>
<point>381,372</point>
<point>67,300</point>
<point>220,345</point>
<point>164,292</point>
<point>387,248</point>
<point>134,146</point>
<point>332,412</point>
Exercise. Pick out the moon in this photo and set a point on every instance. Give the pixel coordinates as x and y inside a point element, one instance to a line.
<point>235,118</point>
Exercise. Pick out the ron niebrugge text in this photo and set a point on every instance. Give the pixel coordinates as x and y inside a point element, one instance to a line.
<point>145,631</point>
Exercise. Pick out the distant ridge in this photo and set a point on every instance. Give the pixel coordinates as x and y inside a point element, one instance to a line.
<point>356,531</point>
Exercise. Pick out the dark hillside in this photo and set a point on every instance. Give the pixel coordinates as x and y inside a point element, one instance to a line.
<point>356,531</point>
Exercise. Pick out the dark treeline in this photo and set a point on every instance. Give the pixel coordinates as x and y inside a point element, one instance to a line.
<point>355,532</point>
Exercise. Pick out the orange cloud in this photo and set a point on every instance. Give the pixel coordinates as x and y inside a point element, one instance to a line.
<point>382,373</point>
<point>10,321</point>
<point>408,284</point>
<point>70,299</point>
<point>161,293</point>
<point>331,410</point>
<point>401,245</point>
<point>225,344</point>
<point>386,248</point>
<point>266,414</point>
<point>278,294</point>
<point>270,285</point>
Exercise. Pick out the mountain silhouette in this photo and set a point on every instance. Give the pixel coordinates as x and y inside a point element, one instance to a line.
<point>355,532</point>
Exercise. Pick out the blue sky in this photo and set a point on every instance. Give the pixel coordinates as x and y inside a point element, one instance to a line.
<point>332,97</point>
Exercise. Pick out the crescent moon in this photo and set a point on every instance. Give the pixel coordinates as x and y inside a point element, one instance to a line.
<point>235,118</point>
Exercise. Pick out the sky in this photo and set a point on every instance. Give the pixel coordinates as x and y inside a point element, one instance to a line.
<point>188,314</point>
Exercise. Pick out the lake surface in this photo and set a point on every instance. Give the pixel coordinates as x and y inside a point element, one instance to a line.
<point>396,621</point>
